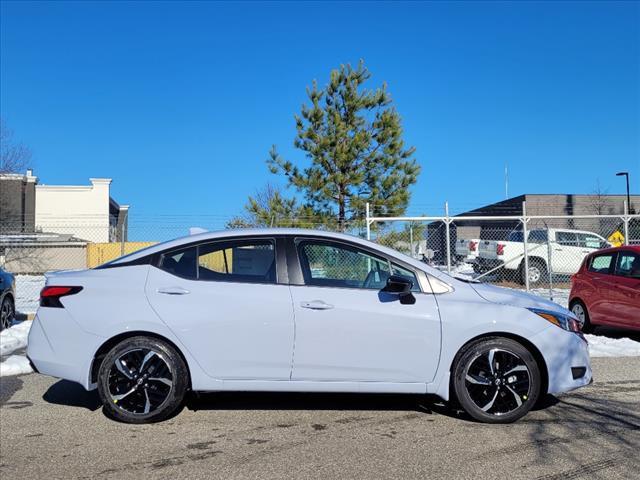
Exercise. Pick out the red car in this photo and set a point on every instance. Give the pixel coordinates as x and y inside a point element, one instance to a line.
<point>606,289</point>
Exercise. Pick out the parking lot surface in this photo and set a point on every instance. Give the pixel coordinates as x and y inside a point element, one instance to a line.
<point>54,429</point>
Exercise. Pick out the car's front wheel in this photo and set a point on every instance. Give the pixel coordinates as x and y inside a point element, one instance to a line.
<point>142,380</point>
<point>496,380</point>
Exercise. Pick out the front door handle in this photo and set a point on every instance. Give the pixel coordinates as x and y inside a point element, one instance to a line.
<point>316,305</point>
<point>173,291</point>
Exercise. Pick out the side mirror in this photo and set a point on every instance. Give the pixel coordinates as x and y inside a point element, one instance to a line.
<point>400,286</point>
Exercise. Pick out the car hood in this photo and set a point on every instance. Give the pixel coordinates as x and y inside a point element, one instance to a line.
<point>515,298</point>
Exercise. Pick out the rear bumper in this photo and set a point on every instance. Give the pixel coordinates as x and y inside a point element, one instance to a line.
<point>486,264</point>
<point>567,357</point>
<point>60,348</point>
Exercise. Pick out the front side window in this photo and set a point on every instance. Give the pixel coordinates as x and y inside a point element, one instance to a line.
<point>601,263</point>
<point>328,264</point>
<point>628,265</point>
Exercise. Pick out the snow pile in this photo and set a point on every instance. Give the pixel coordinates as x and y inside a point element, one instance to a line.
<point>11,340</point>
<point>28,292</point>
<point>612,347</point>
<point>14,338</point>
<point>15,365</point>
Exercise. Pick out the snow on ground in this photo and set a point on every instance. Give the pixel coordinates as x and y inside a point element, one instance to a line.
<point>14,338</point>
<point>15,365</point>
<point>612,347</point>
<point>11,340</point>
<point>28,292</point>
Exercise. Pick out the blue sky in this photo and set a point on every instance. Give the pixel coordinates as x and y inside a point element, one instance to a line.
<point>180,103</point>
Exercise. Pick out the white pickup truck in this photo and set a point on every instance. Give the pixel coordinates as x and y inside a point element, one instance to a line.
<point>567,249</point>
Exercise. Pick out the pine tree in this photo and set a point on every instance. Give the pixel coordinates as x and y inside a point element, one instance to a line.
<point>352,138</point>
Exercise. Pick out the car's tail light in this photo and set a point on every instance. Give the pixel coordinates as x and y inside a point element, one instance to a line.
<point>473,246</point>
<point>50,296</point>
<point>500,249</point>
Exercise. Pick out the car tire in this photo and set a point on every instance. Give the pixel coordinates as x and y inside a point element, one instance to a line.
<point>7,312</point>
<point>537,272</point>
<point>579,309</point>
<point>502,393</point>
<point>142,380</point>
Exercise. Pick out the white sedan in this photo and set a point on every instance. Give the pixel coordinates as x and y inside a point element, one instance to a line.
<point>298,311</point>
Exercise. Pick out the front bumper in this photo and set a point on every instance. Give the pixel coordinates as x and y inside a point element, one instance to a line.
<point>567,357</point>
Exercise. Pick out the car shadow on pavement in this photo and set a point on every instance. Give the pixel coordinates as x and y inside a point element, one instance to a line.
<point>613,332</point>
<point>72,395</point>
<point>427,404</point>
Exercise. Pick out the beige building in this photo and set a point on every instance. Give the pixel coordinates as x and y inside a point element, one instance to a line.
<point>85,211</point>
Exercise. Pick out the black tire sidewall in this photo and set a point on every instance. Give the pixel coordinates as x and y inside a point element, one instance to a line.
<point>459,385</point>
<point>7,300</point>
<point>178,391</point>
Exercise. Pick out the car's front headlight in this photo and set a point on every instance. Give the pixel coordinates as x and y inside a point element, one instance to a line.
<point>566,322</point>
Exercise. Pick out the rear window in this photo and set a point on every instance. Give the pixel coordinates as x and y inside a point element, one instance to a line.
<point>601,263</point>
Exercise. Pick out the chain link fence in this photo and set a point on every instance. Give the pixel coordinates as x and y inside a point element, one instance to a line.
<point>537,253</point>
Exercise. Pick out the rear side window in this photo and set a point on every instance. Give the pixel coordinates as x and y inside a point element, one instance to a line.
<point>589,241</point>
<point>248,261</point>
<point>628,265</point>
<point>181,262</point>
<point>601,263</point>
<point>538,236</point>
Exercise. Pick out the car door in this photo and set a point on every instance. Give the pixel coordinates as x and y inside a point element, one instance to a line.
<point>600,275</point>
<point>347,329</point>
<point>222,299</point>
<point>625,294</point>
<point>566,253</point>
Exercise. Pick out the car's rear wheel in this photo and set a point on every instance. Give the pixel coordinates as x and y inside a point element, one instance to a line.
<point>142,380</point>
<point>7,312</point>
<point>496,380</point>
<point>580,311</point>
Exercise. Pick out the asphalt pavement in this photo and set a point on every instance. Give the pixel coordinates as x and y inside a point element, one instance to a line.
<point>54,429</point>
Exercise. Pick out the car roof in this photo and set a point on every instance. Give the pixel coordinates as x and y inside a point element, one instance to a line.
<point>267,232</point>
<point>633,248</point>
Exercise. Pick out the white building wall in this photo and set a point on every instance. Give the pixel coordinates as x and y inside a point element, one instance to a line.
<point>82,211</point>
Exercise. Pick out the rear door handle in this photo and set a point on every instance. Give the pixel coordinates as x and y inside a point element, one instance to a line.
<point>173,291</point>
<point>316,305</point>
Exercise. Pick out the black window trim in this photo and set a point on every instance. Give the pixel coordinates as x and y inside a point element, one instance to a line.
<point>295,266</point>
<point>278,245</point>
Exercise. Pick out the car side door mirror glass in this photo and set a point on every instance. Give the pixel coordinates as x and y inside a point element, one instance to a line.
<point>400,286</point>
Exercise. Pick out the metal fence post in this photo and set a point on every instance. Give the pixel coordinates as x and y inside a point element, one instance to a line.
<point>549,268</point>
<point>625,220</point>
<point>447,222</point>
<point>526,245</point>
<point>368,222</point>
